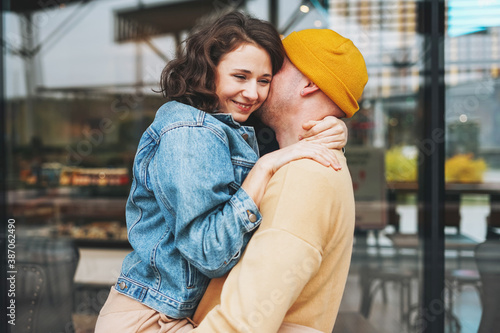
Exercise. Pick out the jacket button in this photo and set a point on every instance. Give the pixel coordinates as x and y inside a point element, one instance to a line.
<point>251,216</point>
<point>122,285</point>
<point>245,136</point>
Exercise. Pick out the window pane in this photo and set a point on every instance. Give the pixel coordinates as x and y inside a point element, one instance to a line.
<point>472,168</point>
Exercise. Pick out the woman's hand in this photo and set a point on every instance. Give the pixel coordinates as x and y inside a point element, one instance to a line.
<point>256,182</point>
<point>330,132</point>
<point>302,149</point>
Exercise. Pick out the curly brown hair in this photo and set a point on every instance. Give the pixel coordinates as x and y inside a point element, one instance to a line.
<point>190,78</point>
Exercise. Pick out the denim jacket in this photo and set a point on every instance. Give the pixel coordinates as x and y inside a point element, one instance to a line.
<point>188,220</point>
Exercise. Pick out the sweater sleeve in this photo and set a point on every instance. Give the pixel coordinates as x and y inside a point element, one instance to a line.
<point>260,290</point>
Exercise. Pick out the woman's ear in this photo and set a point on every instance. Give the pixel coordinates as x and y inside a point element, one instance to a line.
<point>310,88</point>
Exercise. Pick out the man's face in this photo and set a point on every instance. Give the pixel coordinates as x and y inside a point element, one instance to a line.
<point>281,95</point>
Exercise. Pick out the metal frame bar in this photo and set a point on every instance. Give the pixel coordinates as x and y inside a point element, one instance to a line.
<point>431,180</point>
<point>273,12</point>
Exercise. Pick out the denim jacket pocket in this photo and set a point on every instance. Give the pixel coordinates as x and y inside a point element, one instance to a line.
<point>196,283</point>
<point>191,275</point>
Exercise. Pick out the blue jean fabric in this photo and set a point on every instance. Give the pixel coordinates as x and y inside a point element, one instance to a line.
<point>188,220</point>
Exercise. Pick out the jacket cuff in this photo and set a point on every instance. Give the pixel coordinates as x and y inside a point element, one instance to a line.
<point>246,210</point>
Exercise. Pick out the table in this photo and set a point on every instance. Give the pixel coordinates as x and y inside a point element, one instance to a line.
<point>452,241</point>
<point>453,191</point>
<point>455,277</point>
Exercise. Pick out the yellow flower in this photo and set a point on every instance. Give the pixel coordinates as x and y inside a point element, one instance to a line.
<point>462,168</point>
<point>398,167</point>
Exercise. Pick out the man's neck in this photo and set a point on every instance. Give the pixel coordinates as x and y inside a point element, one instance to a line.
<point>286,137</point>
<point>289,128</point>
<point>288,131</point>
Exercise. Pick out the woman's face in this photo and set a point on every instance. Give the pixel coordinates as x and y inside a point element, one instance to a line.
<point>242,81</point>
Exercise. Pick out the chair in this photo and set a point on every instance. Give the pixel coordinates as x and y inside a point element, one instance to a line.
<point>493,220</point>
<point>455,280</point>
<point>375,279</point>
<point>488,263</point>
<point>44,285</point>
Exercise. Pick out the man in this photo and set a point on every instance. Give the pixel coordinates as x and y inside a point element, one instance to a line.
<point>293,272</point>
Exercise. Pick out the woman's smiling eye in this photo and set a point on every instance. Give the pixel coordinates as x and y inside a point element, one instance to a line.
<point>261,81</point>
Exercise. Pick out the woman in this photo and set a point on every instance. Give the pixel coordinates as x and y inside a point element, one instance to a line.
<point>198,182</point>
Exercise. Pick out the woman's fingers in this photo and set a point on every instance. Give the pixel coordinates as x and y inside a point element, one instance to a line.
<point>310,124</point>
<point>318,153</point>
<point>330,131</point>
<point>332,158</point>
<point>301,149</point>
<point>333,141</point>
<point>316,128</point>
<point>335,161</point>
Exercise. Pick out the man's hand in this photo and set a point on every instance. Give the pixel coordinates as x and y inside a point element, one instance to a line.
<point>330,132</point>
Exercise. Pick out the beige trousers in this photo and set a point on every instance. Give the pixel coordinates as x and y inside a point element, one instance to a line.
<point>124,314</point>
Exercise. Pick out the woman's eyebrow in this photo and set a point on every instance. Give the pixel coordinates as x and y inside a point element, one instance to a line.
<point>248,71</point>
<point>243,70</point>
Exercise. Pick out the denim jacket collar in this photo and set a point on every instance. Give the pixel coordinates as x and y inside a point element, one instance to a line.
<point>226,118</point>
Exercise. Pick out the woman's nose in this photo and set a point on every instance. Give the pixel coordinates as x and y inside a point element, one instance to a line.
<point>250,92</point>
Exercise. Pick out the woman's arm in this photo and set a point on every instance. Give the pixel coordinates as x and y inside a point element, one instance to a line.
<point>329,132</point>
<point>194,181</point>
<point>256,181</point>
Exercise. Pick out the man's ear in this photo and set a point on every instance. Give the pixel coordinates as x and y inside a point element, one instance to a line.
<point>310,88</point>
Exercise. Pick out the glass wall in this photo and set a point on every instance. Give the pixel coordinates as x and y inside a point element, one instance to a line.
<point>79,80</point>
<point>472,166</point>
<point>388,277</point>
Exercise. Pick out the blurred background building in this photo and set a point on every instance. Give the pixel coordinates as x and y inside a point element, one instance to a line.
<point>79,90</point>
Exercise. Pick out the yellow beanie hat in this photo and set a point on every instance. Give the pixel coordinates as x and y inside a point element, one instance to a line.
<point>332,62</point>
